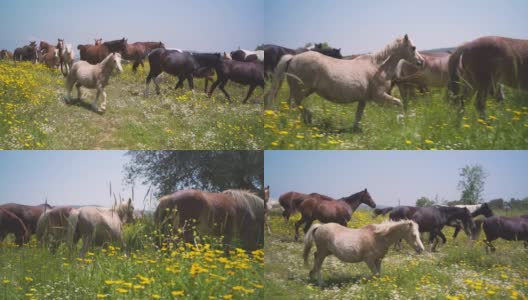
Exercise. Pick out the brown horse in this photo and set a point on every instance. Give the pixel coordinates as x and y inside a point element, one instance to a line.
<point>484,63</point>
<point>27,213</point>
<point>225,213</point>
<point>337,211</point>
<point>291,201</point>
<point>4,54</point>
<point>138,51</point>
<point>26,53</point>
<point>10,223</point>
<point>96,54</point>
<point>52,226</point>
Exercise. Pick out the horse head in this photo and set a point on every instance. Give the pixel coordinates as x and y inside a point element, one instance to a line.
<point>60,43</point>
<point>367,199</point>
<point>125,211</point>
<point>412,235</point>
<point>407,50</point>
<point>98,41</point>
<point>467,223</point>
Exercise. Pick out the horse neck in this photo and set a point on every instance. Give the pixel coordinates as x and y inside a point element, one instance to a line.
<point>391,235</point>
<point>353,201</point>
<point>106,66</point>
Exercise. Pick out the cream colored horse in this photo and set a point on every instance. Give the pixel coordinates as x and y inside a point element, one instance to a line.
<point>369,243</point>
<point>364,78</point>
<point>93,77</point>
<point>97,225</point>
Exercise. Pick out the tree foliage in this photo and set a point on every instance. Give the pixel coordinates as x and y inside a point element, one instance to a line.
<point>424,201</point>
<point>472,183</point>
<point>168,171</point>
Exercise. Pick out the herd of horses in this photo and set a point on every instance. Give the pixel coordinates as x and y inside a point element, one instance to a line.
<point>370,243</point>
<point>241,66</point>
<point>480,67</point>
<point>178,216</point>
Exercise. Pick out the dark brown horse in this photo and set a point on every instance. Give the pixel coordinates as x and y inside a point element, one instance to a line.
<point>432,219</point>
<point>508,228</point>
<point>246,73</point>
<point>137,52</point>
<point>26,53</point>
<point>96,54</point>
<point>11,223</point>
<point>27,213</point>
<point>484,63</point>
<point>337,211</point>
<point>220,214</point>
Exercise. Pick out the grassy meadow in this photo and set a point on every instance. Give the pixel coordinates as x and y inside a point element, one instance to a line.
<point>200,271</point>
<point>459,270</point>
<point>430,123</point>
<point>33,114</point>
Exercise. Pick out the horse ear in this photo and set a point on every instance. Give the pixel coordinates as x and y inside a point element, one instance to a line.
<point>406,37</point>
<point>129,201</point>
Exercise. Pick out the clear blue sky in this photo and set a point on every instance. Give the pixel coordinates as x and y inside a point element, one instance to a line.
<point>393,175</point>
<point>65,177</point>
<point>364,26</point>
<point>201,25</point>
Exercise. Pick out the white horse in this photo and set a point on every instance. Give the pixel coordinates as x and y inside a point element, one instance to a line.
<point>369,243</point>
<point>53,224</point>
<point>93,77</point>
<point>364,78</point>
<point>97,225</point>
<point>67,57</point>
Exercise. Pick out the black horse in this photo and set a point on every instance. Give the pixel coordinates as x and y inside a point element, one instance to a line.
<point>508,228</point>
<point>332,52</point>
<point>247,73</point>
<point>432,219</point>
<point>26,53</point>
<point>183,65</point>
<point>483,210</point>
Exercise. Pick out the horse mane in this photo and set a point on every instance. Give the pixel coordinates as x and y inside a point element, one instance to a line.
<point>352,197</point>
<point>387,226</point>
<point>381,55</point>
<point>252,203</point>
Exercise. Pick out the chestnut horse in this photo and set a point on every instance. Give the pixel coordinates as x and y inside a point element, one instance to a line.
<point>137,52</point>
<point>96,54</point>
<point>337,211</point>
<point>11,223</point>
<point>291,201</point>
<point>27,213</point>
<point>225,213</point>
<point>484,63</point>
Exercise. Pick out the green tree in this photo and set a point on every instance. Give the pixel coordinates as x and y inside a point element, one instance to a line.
<point>424,201</point>
<point>169,171</point>
<point>472,183</point>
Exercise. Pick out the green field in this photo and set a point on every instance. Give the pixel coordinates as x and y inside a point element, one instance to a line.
<point>430,123</point>
<point>175,271</point>
<point>33,114</point>
<point>459,270</point>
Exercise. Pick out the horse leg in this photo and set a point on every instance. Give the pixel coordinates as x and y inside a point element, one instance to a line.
<point>153,74</point>
<point>378,265</point>
<point>442,236</point>
<point>103,105</point>
<point>222,88</point>
<point>286,216</point>
<point>78,85</point>
<point>480,103</point>
<point>372,266</point>
<point>179,84</point>
<point>70,81</point>
<point>249,92</point>
<point>94,104</point>
<point>457,230</point>
<point>206,84</point>
<point>213,87</point>
<point>87,240</point>
<point>297,225</point>
<point>359,115</point>
<point>307,226</point>
<point>433,241</point>
<point>319,257</point>
<point>135,66</point>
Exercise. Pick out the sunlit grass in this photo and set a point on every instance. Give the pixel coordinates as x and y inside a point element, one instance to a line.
<point>431,123</point>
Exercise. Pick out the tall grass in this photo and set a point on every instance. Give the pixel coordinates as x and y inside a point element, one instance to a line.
<point>430,123</point>
<point>200,271</point>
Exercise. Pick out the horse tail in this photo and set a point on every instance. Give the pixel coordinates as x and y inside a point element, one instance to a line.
<point>308,242</point>
<point>278,77</point>
<point>452,65</point>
